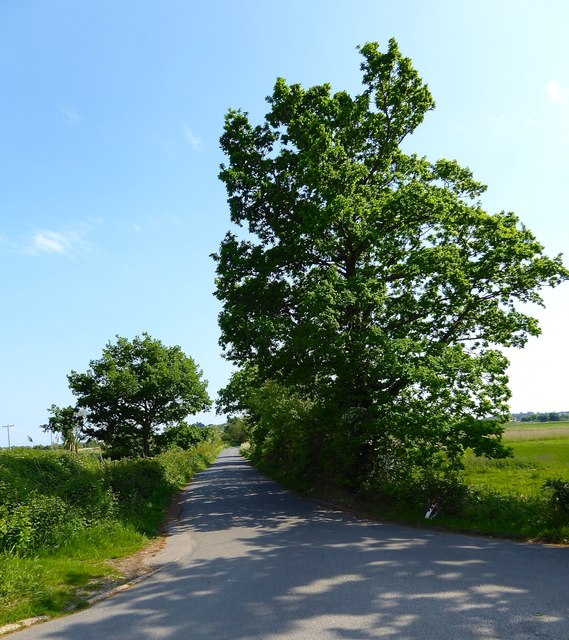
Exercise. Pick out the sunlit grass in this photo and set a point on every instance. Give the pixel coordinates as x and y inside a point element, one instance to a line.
<point>524,431</point>
<point>539,453</point>
<point>509,497</point>
<point>53,581</point>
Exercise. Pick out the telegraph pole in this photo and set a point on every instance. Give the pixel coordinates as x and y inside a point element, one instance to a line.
<point>8,427</point>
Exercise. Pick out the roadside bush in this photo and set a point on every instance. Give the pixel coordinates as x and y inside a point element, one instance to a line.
<point>144,486</point>
<point>177,467</point>
<point>47,498</point>
<point>445,495</point>
<point>92,497</point>
<point>41,522</point>
<point>136,480</point>
<point>558,494</point>
<point>417,492</point>
<point>53,522</point>
<point>63,516</point>
<point>495,512</point>
<point>15,528</point>
<point>132,479</point>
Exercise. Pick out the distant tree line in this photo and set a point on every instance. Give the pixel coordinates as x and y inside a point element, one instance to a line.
<point>551,416</point>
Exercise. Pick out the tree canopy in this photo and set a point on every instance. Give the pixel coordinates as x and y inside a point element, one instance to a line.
<point>67,422</point>
<point>135,388</point>
<point>370,288</point>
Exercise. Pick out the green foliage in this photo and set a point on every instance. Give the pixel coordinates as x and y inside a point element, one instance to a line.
<point>67,422</point>
<point>48,498</point>
<point>235,431</point>
<point>185,436</point>
<point>493,512</point>
<point>133,389</point>
<point>281,432</point>
<point>62,515</point>
<point>370,284</point>
<point>413,492</point>
<point>559,493</point>
<point>143,487</point>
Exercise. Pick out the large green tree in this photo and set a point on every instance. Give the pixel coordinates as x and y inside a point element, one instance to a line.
<point>370,281</point>
<point>136,387</point>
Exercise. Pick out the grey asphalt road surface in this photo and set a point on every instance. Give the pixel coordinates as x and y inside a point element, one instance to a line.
<point>250,560</point>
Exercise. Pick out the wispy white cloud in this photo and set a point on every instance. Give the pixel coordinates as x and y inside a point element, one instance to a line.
<point>71,115</point>
<point>67,242</point>
<point>51,242</point>
<point>557,92</point>
<point>156,221</point>
<point>191,137</point>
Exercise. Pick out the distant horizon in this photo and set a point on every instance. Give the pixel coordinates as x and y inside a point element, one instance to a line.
<point>221,424</point>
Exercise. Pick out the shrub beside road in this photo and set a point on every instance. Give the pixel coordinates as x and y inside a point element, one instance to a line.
<point>63,517</point>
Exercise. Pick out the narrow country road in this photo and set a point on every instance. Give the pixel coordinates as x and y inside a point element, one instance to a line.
<point>248,560</point>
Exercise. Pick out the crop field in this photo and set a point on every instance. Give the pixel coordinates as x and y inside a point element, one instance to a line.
<point>536,431</point>
<point>540,452</point>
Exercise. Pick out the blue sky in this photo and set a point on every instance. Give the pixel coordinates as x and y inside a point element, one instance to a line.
<point>110,119</point>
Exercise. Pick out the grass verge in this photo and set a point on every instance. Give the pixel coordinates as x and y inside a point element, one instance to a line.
<point>502,498</point>
<point>105,511</point>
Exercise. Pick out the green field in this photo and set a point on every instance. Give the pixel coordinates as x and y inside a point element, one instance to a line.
<point>509,497</point>
<point>540,452</point>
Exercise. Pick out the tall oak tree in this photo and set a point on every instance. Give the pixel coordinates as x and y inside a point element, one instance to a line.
<point>370,280</point>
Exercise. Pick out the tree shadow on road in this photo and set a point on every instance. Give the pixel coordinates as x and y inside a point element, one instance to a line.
<point>272,565</point>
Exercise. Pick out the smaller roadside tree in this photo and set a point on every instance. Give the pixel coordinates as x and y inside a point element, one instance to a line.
<point>183,435</point>
<point>235,430</point>
<point>68,422</point>
<point>136,388</point>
